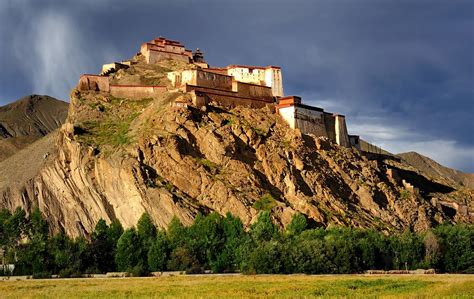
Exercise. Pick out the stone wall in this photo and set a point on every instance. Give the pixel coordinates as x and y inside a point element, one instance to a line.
<point>310,120</point>
<point>252,90</point>
<point>136,91</point>
<point>330,124</point>
<point>213,80</point>
<point>224,98</point>
<point>94,83</point>
<point>153,56</point>
<point>342,137</point>
<point>200,78</point>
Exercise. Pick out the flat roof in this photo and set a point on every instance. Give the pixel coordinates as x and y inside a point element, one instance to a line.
<point>301,106</point>
<point>230,66</point>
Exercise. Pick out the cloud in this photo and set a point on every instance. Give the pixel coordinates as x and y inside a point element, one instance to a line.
<point>51,48</point>
<point>53,55</point>
<point>398,139</point>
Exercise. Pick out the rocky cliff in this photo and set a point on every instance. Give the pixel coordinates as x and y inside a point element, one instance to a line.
<point>117,158</point>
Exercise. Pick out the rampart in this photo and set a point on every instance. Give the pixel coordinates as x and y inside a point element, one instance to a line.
<point>310,120</point>
<point>224,98</point>
<point>200,78</point>
<point>252,90</point>
<point>101,83</point>
<point>313,120</point>
<point>136,91</point>
<point>94,82</point>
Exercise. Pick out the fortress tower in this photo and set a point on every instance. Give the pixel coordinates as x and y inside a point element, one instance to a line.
<point>269,76</point>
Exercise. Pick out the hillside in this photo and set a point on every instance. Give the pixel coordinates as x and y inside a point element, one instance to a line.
<point>116,158</point>
<point>437,171</point>
<point>28,119</point>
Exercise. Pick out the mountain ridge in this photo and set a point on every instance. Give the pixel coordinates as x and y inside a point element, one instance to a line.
<point>437,171</point>
<point>24,121</point>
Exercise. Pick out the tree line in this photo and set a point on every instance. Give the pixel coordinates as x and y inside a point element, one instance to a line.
<point>222,244</point>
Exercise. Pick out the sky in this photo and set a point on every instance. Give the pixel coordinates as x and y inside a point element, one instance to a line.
<point>401,71</point>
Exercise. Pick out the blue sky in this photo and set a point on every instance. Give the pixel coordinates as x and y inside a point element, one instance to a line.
<point>401,71</point>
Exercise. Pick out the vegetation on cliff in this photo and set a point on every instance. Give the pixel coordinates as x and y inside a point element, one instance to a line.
<point>221,244</point>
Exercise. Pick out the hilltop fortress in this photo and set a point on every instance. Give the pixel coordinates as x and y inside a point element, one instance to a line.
<point>234,85</point>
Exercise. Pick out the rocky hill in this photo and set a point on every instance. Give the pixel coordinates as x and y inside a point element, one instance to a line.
<point>437,171</point>
<point>117,158</point>
<point>28,119</point>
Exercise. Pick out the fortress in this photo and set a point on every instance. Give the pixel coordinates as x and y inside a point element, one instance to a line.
<point>234,85</point>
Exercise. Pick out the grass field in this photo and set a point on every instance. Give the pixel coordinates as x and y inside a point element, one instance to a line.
<point>240,286</point>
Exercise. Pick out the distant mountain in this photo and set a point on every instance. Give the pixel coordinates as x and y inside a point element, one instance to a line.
<point>437,171</point>
<point>28,119</point>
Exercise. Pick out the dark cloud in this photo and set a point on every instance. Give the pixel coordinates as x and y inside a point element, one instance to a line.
<point>402,71</point>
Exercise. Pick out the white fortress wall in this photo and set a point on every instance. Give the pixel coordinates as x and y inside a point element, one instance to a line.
<point>274,80</point>
<point>288,114</point>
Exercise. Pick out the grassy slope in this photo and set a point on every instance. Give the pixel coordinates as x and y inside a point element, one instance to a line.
<point>238,286</point>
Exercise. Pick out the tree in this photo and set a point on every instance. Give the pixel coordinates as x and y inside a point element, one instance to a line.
<point>306,256</point>
<point>456,247</point>
<point>407,249</point>
<point>101,249</point>
<point>264,229</point>
<point>432,249</point>
<point>297,225</point>
<point>16,226</point>
<point>176,233</point>
<point>206,238</point>
<point>4,217</point>
<point>115,231</point>
<point>129,251</point>
<point>182,259</point>
<point>145,228</point>
<point>264,258</point>
<point>36,253</point>
<point>158,253</point>
<point>234,235</point>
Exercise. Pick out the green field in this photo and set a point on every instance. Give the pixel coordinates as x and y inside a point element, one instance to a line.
<point>245,286</point>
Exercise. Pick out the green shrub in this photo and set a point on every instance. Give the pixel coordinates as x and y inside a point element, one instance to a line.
<point>265,203</point>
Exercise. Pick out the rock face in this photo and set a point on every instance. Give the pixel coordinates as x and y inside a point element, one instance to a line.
<point>118,158</point>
